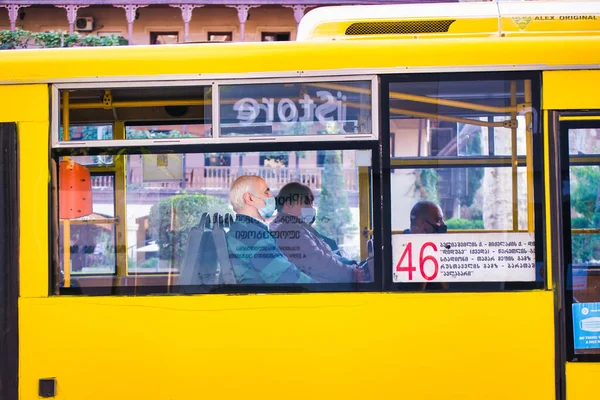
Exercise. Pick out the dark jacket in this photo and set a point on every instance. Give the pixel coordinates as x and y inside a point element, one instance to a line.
<point>255,256</point>
<point>308,251</point>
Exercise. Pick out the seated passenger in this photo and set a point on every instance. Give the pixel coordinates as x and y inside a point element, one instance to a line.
<point>426,217</point>
<point>254,254</point>
<point>303,245</point>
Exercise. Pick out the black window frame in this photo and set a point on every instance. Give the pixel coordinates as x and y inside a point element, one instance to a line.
<point>538,165</point>
<point>567,251</point>
<point>375,210</point>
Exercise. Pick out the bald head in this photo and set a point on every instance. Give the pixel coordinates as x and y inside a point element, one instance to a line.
<point>247,195</point>
<point>427,217</point>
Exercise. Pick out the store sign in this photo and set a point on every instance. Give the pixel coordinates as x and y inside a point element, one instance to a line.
<point>296,108</point>
<point>487,257</point>
<point>288,111</point>
<point>586,325</point>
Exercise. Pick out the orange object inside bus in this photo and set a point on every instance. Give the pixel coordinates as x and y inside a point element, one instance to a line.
<point>75,190</point>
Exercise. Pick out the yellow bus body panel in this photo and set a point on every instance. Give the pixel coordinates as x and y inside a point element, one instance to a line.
<point>571,90</point>
<point>28,106</point>
<point>317,346</point>
<point>338,345</point>
<point>154,61</point>
<point>580,381</point>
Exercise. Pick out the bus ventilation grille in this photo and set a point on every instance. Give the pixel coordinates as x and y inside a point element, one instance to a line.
<point>398,28</point>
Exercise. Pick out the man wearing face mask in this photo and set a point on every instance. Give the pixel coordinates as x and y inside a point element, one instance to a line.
<point>253,250</point>
<point>427,217</point>
<point>302,244</point>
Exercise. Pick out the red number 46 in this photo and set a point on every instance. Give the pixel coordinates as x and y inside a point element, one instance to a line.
<point>401,267</point>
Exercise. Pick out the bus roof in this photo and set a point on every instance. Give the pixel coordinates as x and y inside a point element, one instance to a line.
<point>246,60</point>
<point>451,19</point>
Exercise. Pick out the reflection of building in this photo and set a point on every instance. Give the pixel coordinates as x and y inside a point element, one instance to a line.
<point>167,22</point>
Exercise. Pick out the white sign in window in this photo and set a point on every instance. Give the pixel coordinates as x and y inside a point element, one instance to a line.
<point>489,257</point>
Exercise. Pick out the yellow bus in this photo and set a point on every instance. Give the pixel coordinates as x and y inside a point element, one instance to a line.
<point>116,277</point>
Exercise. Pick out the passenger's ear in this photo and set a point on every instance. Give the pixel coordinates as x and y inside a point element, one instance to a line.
<point>247,198</point>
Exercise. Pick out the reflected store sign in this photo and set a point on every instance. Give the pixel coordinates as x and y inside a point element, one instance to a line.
<point>586,325</point>
<point>287,111</point>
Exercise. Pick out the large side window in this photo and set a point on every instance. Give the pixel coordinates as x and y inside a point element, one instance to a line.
<point>580,146</point>
<point>155,198</point>
<point>462,183</point>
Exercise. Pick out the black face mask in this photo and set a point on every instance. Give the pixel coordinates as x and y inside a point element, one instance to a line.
<point>438,228</point>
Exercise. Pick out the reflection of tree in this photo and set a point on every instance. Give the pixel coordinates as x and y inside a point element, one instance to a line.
<point>171,220</point>
<point>585,202</point>
<point>334,215</point>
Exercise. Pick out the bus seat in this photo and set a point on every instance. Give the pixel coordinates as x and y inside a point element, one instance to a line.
<point>199,265</point>
<point>226,275</point>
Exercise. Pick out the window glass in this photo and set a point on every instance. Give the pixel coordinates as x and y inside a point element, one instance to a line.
<point>156,113</point>
<point>275,36</point>
<point>91,240</point>
<point>433,118</point>
<point>584,141</point>
<point>143,131</point>
<point>280,109</point>
<point>460,195</point>
<point>219,36</point>
<point>184,234</point>
<point>87,132</point>
<point>164,37</point>
<point>584,267</point>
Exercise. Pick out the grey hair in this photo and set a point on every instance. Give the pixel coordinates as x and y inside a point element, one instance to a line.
<point>242,185</point>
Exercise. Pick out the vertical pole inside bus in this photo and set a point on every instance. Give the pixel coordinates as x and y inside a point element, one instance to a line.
<point>514,160</point>
<point>66,222</point>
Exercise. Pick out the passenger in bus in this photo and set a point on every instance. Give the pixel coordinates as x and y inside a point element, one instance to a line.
<point>302,244</point>
<point>426,217</point>
<point>253,251</point>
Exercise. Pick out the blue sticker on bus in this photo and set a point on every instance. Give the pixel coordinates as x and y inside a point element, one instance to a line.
<point>586,325</point>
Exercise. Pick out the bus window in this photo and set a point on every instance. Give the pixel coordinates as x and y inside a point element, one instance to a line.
<point>88,241</point>
<point>92,113</point>
<point>461,167</point>
<point>171,204</point>
<point>583,268</point>
<point>305,108</point>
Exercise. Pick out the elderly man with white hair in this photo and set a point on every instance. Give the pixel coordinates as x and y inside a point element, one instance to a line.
<point>254,253</point>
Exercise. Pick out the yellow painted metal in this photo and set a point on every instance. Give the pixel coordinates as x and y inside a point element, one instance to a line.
<point>457,161</point>
<point>175,344</point>
<point>586,231</point>
<point>90,221</point>
<point>27,105</point>
<point>447,118</point>
<point>66,237</point>
<point>34,179</point>
<point>200,60</point>
<point>529,155</point>
<point>547,196</point>
<point>144,103</point>
<point>452,103</point>
<point>579,118</point>
<point>581,381</point>
<point>15,110</point>
<point>120,204</point>
<point>364,196</point>
<point>515,163</point>
<point>422,99</point>
<point>571,90</point>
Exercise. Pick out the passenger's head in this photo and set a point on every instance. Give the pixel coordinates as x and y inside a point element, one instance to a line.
<point>427,217</point>
<point>250,195</point>
<point>297,199</point>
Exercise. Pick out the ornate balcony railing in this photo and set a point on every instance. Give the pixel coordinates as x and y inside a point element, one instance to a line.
<point>221,178</point>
